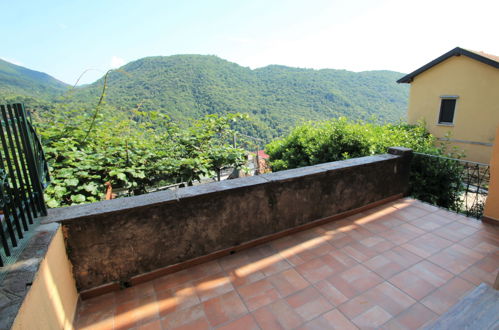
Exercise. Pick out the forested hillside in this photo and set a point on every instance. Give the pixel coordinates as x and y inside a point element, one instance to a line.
<point>276,97</point>
<point>17,81</point>
<point>169,120</point>
<point>189,87</point>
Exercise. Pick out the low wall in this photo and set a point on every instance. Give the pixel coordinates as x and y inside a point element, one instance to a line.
<point>112,241</point>
<point>39,291</point>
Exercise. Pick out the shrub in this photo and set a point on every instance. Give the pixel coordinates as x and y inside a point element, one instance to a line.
<point>434,180</point>
<point>437,181</point>
<point>338,139</point>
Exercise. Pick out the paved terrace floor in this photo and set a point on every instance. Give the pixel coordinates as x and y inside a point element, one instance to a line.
<point>398,266</point>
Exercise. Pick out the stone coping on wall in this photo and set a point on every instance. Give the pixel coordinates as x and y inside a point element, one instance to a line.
<point>79,212</point>
<point>113,241</point>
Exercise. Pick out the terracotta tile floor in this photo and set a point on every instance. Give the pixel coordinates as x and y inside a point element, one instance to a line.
<point>398,266</point>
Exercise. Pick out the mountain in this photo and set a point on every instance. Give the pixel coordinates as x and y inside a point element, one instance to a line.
<point>19,82</point>
<point>277,97</point>
<point>191,86</point>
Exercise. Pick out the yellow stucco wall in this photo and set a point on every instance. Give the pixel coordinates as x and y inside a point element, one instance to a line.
<point>492,205</point>
<point>51,300</point>
<point>477,108</point>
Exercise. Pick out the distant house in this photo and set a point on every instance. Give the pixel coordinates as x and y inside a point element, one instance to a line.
<point>262,162</point>
<point>458,93</point>
<point>261,154</point>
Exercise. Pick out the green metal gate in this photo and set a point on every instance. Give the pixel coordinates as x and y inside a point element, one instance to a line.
<point>23,178</point>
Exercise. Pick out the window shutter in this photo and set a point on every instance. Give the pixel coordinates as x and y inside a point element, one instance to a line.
<point>447,108</point>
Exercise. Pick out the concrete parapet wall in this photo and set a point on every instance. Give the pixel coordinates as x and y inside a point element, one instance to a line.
<point>113,241</point>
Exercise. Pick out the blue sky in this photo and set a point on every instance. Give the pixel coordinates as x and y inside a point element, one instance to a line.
<point>65,38</point>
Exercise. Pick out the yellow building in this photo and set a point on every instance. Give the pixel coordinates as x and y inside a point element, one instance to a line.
<point>457,95</point>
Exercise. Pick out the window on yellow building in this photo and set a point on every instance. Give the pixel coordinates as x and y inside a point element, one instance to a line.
<point>447,110</point>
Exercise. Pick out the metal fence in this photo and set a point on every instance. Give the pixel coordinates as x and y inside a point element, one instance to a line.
<point>23,178</point>
<point>456,184</point>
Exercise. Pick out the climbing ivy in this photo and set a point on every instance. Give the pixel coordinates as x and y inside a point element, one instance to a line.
<point>135,153</point>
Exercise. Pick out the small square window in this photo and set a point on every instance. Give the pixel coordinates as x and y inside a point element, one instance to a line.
<point>447,108</point>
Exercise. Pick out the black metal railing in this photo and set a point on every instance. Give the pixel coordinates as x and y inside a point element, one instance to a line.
<point>23,177</point>
<point>456,184</point>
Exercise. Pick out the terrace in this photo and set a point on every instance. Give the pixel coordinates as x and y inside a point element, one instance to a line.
<point>334,245</point>
<point>397,266</point>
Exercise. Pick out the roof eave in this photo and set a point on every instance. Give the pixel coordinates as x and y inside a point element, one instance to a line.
<point>454,52</point>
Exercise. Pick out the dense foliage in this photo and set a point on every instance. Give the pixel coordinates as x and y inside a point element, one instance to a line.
<point>186,87</point>
<point>438,181</point>
<point>434,180</point>
<point>136,154</point>
<point>337,139</point>
<point>144,135</point>
<point>276,97</point>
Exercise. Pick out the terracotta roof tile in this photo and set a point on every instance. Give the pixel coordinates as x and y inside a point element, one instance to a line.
<point>262,154</point>
<point>490,56</point>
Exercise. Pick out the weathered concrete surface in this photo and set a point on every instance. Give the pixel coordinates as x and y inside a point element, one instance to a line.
<point>115,240</point>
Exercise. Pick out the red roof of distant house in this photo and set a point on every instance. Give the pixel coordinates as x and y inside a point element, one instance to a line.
<point>262,154</point>
<point>481,53</point>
